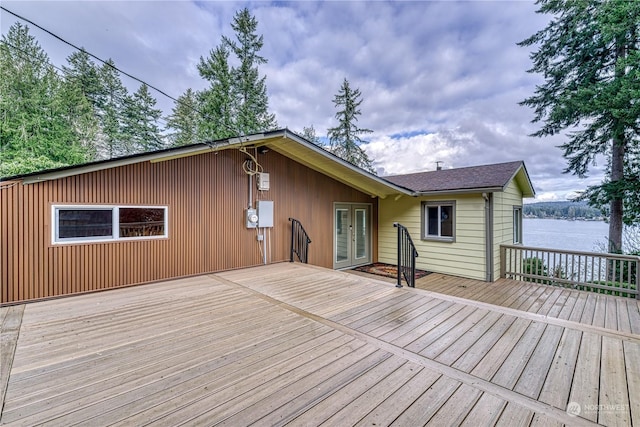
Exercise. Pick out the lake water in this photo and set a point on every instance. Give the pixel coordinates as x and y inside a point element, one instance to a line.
<point>563,234</point>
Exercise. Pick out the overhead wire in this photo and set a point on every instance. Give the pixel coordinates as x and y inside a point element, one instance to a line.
<point>109,64</point>
<point>25,55</point>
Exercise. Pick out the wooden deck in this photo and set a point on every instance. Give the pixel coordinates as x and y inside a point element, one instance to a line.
<point>290,344</point>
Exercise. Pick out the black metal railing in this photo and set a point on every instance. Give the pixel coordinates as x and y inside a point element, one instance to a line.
<point>299,241</point>
<point>407,255</point>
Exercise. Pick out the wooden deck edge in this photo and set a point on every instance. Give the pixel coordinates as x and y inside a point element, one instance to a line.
<point>9,333</point>
<point>441,368</point>
<point>583,327</point>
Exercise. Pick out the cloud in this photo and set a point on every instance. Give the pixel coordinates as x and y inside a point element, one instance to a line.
<point>441,81</point>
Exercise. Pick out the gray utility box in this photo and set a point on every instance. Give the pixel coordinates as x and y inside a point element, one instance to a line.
<point>265,213</point>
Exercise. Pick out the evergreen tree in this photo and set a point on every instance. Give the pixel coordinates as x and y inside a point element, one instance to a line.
<point>588,55</point>
<point>141,132</point>
<point>43,119</point>
<point>184,120</point>
<point>217,103</point>
<point>112,142</point>
<point>309,133</point>
<point>83,73</point>
<point>345,138</point>
<point>252,111</point>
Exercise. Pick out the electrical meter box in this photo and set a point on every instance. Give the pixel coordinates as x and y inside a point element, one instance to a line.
<point>252,218</point>
<point>263,181</point>
<point>265,213</point>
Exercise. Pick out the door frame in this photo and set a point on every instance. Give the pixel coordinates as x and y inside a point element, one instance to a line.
<point>351,260</point>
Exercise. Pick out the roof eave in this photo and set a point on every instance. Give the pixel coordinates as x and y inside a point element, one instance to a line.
<point>475,190</point>
<point>521,176</point>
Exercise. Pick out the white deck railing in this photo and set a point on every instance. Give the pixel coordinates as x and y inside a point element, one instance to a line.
<point>605,273</point>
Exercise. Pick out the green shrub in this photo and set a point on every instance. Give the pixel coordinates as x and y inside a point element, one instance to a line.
<point>535,266</point>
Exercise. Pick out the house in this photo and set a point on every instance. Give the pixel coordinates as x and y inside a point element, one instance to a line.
<point>209,207</point>
<point>461,216</point>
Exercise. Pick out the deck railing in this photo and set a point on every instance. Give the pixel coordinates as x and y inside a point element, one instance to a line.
<point>605,273</point>
<point>407,255</point>
<point>299,241</point>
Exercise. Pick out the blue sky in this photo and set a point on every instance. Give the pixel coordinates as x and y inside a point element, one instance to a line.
<point>441,81</point>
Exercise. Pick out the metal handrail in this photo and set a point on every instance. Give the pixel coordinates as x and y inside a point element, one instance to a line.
<point>407,255</point>
<point>613,274</point>
<point>299,241</point>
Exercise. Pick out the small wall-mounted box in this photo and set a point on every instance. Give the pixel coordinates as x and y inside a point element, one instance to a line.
<point>265,213</point>
<point>263,181</point>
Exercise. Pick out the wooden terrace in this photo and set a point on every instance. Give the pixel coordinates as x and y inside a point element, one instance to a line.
<point>291,344</point>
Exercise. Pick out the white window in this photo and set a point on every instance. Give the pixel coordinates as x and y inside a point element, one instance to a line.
<point>517,224</point>
<point>97,223</point>
<point>438,221</point>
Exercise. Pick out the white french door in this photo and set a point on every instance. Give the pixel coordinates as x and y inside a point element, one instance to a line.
<point>352,235</point>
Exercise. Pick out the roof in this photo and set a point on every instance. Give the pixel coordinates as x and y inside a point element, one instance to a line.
<point>472,179</point>
<point>486,178</point>
<point>282,141</point>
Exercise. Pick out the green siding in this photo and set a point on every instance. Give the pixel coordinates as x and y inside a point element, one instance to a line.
<point>465,257</point>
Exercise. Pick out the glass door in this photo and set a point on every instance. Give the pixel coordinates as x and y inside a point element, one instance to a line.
<point>352,235</point>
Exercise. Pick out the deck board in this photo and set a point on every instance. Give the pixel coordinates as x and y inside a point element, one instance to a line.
<point>289,344</point>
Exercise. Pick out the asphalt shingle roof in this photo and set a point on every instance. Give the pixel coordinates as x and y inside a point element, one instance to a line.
<point>475,177</point>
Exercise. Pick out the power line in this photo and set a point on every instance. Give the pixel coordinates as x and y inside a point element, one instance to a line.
<point>88,53</point>
<point>177,101</point>
<point>124,100</point>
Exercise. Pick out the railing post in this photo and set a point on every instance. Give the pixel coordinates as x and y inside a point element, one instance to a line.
<point>637,277</point>
<point>299,241</point>
<point>399,282</point>
<point>293,224</point>
<point>407,254</point>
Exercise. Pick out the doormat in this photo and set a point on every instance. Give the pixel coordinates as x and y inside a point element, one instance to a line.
<point>387,270</point>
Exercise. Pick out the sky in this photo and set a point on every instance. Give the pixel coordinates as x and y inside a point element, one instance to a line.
<point>441,81</point>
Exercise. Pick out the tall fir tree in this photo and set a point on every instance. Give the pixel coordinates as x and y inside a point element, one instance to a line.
<point>140,129</point>
<point>217,103</point>
<point>588,55</point>
<point>345,138</point>
<point>82,72</point>
<point>42,118</point>
<point>309,133</point>
<point>252,110</point>
<point>183,122</point>
<point>112,142</point>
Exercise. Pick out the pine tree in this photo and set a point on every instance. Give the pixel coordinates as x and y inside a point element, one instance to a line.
<point>83,73</point>
<point>141,132</point>
<point>42,118</point>
<point>309,133</point>
<point>588,55</point>
<point>114,95</point>
<point>345,138</point>
<point>184,120</point>
<point>217,103</point>
<point>252,113</point>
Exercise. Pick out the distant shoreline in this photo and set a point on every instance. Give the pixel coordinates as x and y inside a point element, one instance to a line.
<point>600,219</point>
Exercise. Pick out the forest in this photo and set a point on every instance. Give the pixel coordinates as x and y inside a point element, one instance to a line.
<point>562,210</point>
<point>55,116</point>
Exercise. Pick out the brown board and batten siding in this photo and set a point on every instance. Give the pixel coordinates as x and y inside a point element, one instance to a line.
<point>206,195</point>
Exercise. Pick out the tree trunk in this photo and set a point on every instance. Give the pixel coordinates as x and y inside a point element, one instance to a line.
<point>616,207</point>
<point>618,146</point>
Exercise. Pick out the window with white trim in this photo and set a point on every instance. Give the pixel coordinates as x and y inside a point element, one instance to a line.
<point>438,221</point>
<point>98,223</point>
<point>517,224</point>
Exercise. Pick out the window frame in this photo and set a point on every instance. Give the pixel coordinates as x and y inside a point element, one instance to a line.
<point>517,225</point>
<point>425,219</point>
<point>115,232</point>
